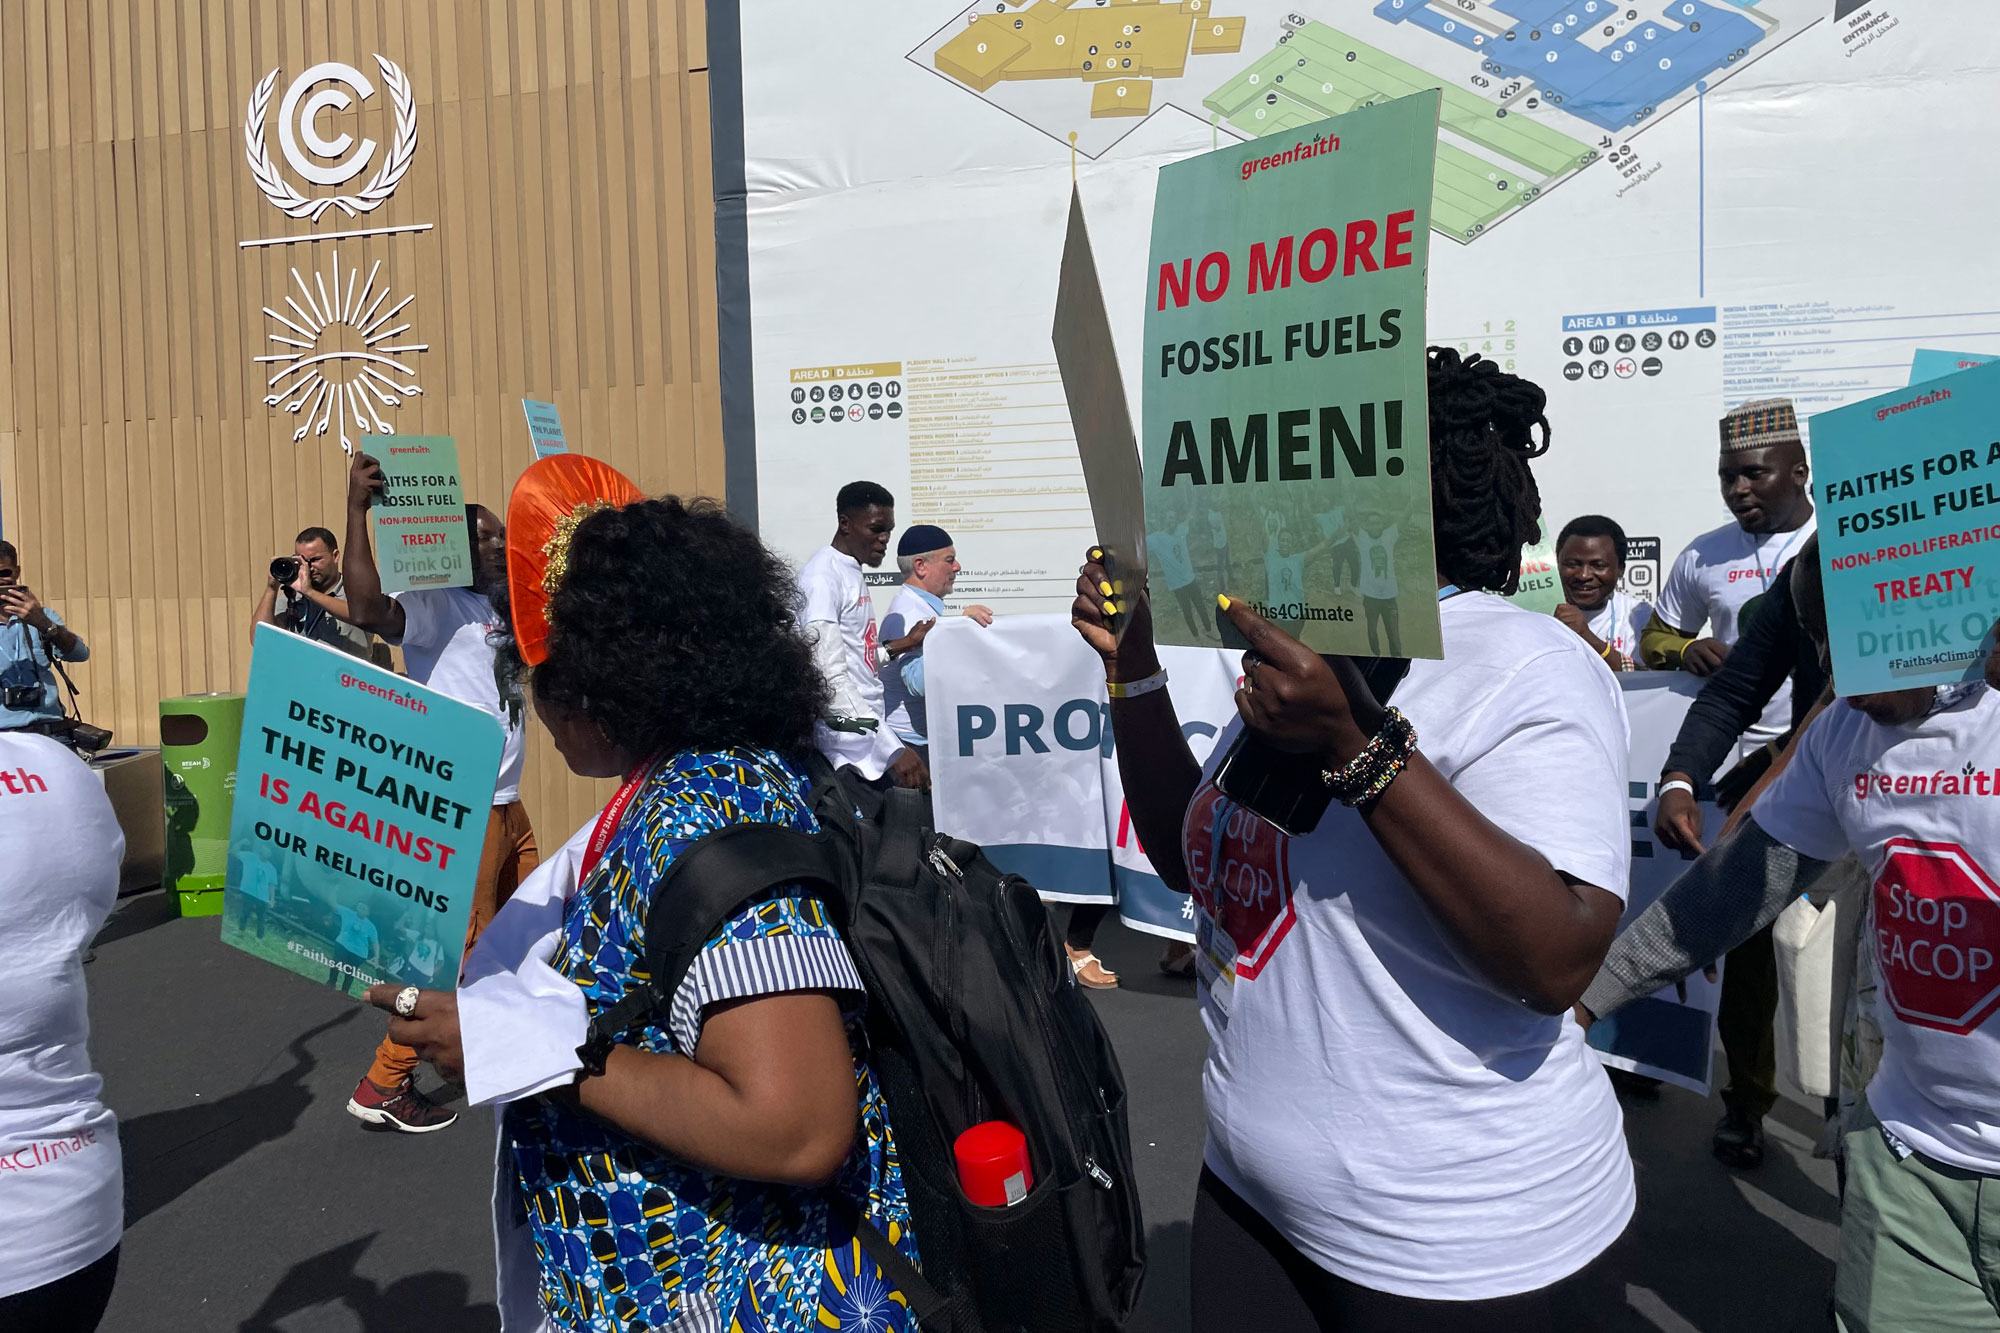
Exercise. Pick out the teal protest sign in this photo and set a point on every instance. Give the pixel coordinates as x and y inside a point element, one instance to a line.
<point>361,805</point>
<point>420,535</point>
<point>1929,363</point>
<point>1909,530</point>
<point>545,430</point>
<point>1286,435</point>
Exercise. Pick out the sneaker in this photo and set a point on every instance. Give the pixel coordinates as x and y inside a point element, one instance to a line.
<point>404,1109</point>
<point>1178,960</point>
<point>1089,971</point>
<point>1739,1140</point>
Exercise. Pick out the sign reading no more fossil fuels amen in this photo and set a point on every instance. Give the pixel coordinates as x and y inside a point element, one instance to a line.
<point>361,804</point>
<point>1286,433</point>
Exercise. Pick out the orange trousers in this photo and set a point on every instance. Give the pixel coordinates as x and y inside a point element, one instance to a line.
<point>509,856</point>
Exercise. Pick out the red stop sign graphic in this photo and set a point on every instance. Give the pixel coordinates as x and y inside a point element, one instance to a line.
<point>1937,935</point>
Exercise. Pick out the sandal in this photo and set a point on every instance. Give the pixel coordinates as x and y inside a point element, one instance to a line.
<point>1089,971</point>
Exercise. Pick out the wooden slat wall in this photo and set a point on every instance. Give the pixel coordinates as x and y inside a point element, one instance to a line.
<point>564,160</point>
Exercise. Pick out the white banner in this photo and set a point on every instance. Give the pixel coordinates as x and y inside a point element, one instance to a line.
<point>1652,208</point>
<point>1023,763</point>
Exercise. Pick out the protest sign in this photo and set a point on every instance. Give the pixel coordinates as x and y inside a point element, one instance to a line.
<point>421,539</point>
<point>361,804</point>
<point>1930,364</point>
<point>1099,416</point>
<point>545,431</point>
<point>1541,587</point>
<point>1908,486</point>
<point>1024,762</point>
<point>1285,386</point>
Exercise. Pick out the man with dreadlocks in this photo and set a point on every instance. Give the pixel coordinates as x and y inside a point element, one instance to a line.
<point>446,636</point>
<point>1405,1129</point>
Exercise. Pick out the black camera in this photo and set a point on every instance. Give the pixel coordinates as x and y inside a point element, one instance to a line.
<point>285,569</point>
<point>79,736</point>
<point>22,698</point>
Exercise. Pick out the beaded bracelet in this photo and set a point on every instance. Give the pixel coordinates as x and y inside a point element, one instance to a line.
<point>1363,779</point>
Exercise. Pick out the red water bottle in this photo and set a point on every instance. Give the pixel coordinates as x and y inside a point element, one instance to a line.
<point>993,1165</point>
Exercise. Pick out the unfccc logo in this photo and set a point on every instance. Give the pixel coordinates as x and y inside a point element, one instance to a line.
<point>329,86</point>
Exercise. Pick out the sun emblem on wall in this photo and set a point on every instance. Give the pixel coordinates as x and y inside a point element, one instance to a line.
<point>343,363</point>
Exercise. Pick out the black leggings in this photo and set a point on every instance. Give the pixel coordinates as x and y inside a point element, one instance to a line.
<point>1245,1275</point>
<point>72,1304</point>
<point>1084,918</point>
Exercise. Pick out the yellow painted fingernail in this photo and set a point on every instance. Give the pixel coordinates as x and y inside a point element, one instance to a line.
<point>1222,600</point>
<point>1104,588</point>
<point>1110,609</point>
<point>1096,553</point>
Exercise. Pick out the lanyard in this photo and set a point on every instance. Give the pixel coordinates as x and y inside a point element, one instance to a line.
<point>611,817</point>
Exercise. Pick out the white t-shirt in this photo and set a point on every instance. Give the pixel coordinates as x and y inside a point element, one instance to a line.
<point>839,615</point>
<point>1168,550</point>
<point>1403,1122</point>
<point>62,1186</point>
<point>1378,563</point>
<point>1920,806</point>
<point>444,645</point>
<point>1713,583</point>
<point>1619,621</point>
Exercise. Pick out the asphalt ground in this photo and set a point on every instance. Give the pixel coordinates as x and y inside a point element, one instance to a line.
<point>255,1202</point>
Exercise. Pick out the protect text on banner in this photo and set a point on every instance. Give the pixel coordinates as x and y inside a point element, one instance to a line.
<point>1909,495</point>
<point>361,805</point>
<point>420,535</point>
<point>1286,434</point>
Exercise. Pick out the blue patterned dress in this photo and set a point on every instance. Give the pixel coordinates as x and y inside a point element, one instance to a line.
<point>627,1238</point>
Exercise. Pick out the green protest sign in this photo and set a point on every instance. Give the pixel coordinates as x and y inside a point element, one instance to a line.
<point>1286,433</point>
<point>361,804</point>
<point>420,535</point>
<point>1541,587</point>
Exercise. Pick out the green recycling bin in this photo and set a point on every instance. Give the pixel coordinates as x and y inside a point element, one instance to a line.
<point>199,736</point>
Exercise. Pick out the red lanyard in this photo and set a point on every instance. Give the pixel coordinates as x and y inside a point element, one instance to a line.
<point>611,817</point>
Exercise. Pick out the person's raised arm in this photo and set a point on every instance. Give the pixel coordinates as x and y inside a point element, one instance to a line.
<point>1159,770</point>
<point>1728,705</point>
<point>1535,932</point>
<point>367,605</point>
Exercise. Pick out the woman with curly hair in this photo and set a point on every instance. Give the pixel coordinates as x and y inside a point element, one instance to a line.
<point>1405,1129</point>
<point>708,1176</point>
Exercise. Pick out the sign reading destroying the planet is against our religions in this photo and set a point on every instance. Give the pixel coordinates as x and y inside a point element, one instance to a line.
<point>360,812</point>
<point>1285,435</point>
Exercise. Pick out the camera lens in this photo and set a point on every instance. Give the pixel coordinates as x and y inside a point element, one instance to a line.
<point>285,568</point>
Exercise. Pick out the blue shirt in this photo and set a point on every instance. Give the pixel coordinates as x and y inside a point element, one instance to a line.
<point>359,937</point>
<point>903,679</point>
<point>24,658</point>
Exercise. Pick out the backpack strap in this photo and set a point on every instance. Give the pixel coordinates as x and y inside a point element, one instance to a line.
<point>906,822</point>
<point>713,879</point>
<point>933,1309</point>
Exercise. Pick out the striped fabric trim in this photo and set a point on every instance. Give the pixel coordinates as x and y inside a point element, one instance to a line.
<point>735,969</point>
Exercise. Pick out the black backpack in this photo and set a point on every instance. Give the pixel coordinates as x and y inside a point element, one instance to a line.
<point>973,1014</point>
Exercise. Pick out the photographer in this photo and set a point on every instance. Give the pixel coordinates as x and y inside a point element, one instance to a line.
<point>32,640</point>
<point>315,594</point>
